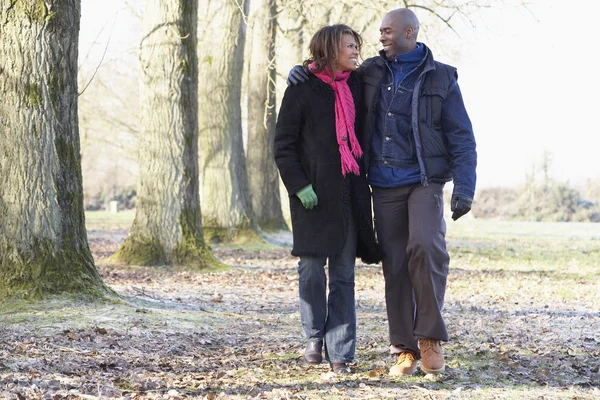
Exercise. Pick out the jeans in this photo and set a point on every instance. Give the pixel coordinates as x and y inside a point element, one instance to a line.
<point>411,230</point>
<point>330,318</point>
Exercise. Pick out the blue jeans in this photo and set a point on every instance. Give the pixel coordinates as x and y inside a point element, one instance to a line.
<point>330,318</point>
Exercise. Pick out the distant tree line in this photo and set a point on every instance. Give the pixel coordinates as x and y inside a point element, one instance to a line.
<point>540,201</point>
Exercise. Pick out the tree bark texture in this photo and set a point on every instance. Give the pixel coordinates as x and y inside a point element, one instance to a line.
<point>43,240</point>
<point>225,192</point>
<point>263,177</point>
<point>167,227</point>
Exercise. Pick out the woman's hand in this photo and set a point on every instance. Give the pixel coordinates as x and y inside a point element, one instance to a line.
<point>308,197</point>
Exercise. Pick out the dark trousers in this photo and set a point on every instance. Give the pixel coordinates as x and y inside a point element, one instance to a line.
<point>411,231</point>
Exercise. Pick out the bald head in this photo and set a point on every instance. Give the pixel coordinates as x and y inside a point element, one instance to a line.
<point>399,30</point>
<point>405,17</point>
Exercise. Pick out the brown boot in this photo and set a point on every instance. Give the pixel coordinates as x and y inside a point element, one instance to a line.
<point>312,353</point>
<point>432,359</point>
<point>340,368</point>
<point>405,365</point>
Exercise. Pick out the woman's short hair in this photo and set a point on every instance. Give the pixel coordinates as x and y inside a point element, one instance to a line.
<point>325,45</point>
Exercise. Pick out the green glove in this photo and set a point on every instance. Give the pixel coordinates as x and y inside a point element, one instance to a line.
<point>308,197</point>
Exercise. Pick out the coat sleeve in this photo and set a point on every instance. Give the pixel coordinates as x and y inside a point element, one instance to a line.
<point>461,142</point>
<point>359,123</point>
<point>288,140</point>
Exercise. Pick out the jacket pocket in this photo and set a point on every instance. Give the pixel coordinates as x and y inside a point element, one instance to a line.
<point>430,106</point>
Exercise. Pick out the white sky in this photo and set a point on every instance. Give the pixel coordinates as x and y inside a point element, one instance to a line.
<point>529,82</point>
<point>530,87</point>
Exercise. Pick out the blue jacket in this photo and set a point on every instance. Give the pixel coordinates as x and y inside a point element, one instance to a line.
<point>392,136</point>
<point>429,129</point>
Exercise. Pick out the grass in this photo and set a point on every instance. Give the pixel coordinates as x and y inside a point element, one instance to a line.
<point>477,228</point>
<point>96,220</point>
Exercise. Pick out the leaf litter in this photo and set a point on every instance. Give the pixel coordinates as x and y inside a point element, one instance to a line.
<point>181,334</point>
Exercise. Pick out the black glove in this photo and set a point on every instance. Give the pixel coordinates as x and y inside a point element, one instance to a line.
<point>297,75</point>
<point>460,205</point>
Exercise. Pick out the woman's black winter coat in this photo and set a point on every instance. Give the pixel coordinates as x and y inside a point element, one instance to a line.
<point>307,152</point>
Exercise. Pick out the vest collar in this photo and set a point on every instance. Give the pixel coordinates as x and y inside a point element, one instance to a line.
<point>428,65</point>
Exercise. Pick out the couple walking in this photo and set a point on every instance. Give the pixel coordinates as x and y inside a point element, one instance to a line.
<point>397,124</point>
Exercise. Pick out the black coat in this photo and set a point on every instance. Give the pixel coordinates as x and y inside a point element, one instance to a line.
<point>307,152</point>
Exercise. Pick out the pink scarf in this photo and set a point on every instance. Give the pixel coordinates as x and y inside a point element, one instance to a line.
<point>344,118</point>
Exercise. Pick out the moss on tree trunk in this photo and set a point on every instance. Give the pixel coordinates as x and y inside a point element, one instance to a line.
<point>46,271</point>
<point>190,251</point>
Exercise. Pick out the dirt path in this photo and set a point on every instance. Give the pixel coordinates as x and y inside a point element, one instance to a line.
<point>237,334</point>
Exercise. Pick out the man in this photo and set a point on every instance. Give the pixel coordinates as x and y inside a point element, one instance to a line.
<point>420,137</point>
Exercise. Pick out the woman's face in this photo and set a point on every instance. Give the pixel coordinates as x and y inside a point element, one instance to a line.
<point>348,54</point>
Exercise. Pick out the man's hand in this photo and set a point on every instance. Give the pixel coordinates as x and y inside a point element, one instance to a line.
<point>308,197</point>
<point>297,75</point>
<point>460,205</point>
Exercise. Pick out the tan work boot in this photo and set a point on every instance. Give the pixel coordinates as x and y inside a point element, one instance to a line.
<point>432,359</point>
<point>405,365</point>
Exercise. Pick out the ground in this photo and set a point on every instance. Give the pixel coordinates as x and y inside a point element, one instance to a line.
<point>522,309</point>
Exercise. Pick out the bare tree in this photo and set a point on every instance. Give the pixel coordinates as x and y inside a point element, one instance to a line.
<point>225,193</point>
<point>437,18</point>
<point>43,241</point>
<point>263,177</point>
<point>167,228</point>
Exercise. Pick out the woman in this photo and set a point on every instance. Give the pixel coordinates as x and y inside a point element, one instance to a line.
<point>319,156</point>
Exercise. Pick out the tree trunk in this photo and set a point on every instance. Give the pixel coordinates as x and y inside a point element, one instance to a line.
<point>43,241</point>
<point>225,191</point>
<point>263,177</point>
<point>291,51</point>
<point>167,228</point>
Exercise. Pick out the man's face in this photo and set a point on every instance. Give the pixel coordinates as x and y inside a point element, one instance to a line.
<point>395,36</point>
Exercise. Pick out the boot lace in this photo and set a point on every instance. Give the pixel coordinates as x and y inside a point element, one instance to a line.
<point>429,344</point>
<point>406,357</point>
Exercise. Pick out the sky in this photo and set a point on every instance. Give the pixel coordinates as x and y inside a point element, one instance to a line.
<point>529,87</point>
<point>527,76</point>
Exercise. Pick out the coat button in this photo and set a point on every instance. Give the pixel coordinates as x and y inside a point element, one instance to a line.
<point>389,114</point>
<point>389,88</point>
<point>388,138</point>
